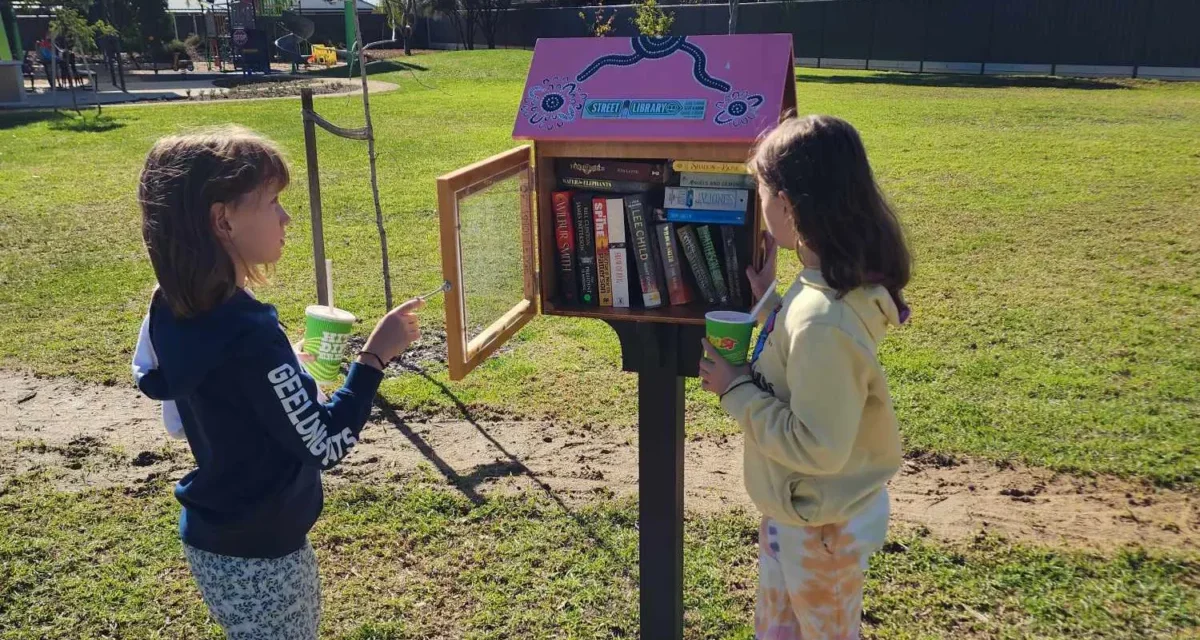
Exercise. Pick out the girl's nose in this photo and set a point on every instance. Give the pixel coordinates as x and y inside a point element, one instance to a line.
<point>284,218</point>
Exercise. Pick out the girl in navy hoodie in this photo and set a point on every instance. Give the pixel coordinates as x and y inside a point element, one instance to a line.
<point>255,421</point>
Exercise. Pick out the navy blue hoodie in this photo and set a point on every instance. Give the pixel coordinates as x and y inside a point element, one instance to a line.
<point>252,419</point>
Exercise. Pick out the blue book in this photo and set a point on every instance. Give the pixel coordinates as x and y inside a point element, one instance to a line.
<point>702,216</point>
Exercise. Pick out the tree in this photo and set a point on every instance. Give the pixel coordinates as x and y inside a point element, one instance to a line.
<point>651,20</point>
<point>402,14</point>
<point>491,13</point>
<point>601,24</point>
<point>76,35</point>
<point>454,14</point>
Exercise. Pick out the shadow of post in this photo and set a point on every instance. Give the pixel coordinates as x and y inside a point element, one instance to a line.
<point>468,484</point>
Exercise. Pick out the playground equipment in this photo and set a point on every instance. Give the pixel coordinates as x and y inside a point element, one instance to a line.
<point>291,46</point>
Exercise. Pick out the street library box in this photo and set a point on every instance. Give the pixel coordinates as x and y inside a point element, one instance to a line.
<point>638,142</point>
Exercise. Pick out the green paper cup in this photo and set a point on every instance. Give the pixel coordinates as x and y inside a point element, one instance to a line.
<point>326,330</point>
<point>729,332</point>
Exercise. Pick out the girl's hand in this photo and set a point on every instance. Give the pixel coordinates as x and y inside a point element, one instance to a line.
<point>716,374</point>
<point>395,331</point>
<point>760,280</point>
<point>303,357</point>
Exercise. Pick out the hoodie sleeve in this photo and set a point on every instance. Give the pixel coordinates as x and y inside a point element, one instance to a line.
<point>146,374</point>
<point>285,402</point>
<point>814,432</point>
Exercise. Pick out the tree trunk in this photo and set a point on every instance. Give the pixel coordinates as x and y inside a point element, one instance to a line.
<point>733,16</point>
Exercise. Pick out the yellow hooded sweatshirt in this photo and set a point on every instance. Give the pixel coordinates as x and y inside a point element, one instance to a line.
<point>821,436</point>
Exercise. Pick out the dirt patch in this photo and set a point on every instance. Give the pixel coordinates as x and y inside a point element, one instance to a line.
<point>78,434</point>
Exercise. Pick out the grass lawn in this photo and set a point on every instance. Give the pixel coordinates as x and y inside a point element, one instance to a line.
<point>414,561</point>
<point>1056,298</point>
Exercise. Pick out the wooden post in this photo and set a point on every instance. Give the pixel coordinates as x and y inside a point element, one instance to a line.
<point>314,195</point>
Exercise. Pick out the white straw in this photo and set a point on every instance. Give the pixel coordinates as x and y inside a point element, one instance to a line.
<point>329,281</point>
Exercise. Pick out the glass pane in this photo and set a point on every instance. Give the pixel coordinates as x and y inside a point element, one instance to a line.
<point>491,246</point>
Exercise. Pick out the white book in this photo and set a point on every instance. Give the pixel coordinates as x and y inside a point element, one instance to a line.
<point>706,199</point>
<point>616,251</point>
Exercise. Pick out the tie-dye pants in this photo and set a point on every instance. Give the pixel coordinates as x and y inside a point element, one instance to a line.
<point>810,579</point>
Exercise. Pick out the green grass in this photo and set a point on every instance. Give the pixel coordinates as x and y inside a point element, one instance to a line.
<point>402,561</point>
<point>1056,298</point>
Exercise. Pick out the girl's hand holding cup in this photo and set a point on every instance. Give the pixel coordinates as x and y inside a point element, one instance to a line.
<point>395,332</point>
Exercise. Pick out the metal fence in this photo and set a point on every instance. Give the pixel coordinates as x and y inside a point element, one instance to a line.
<point>1114,37</point>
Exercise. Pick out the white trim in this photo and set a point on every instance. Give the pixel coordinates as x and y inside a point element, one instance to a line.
<point>1169,73</point>
<point>808,62</point>
<point>894,65</point>
<point>952,67</point>
<point>1026,69</point>
<point>1093,70</point>
<point>843,63</point>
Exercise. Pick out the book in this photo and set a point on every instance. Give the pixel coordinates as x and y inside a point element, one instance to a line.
<point>695,258</point>
<point>708,199</point>
<point>618,259</point>
<point>700,216</point>
<point>714,263</point>
<point>604,169</point>
<point>641,244</point>
<point>603,268</point>
<point>609,186</point>
<point>704,166</point>
<point>733,267</point>
<point>564,235</point>
<point>677,289</point>
<point>717,180</point>
<point>585,254</point>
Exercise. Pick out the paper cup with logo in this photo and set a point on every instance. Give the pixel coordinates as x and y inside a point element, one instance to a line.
<point>326,331</point>
<point>729,332</point>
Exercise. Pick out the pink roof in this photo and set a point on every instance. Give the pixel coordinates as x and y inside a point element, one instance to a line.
<point>703,88</point>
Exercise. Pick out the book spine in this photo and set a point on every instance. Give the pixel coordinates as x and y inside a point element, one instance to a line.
<point>642,247</point>
<point>714,264</point>
<point>677,289</point>
<point>585,240</point>
<point>706,199</point>
<point>716,180</point>
<point>649,172</point>
<point>706,217</point>
<point>701,166</point>
<point>695,258</point>
<point>733,267</point>
<point>564,233</point>
<point>617,252</point>
<point>603,268</point>
<point>609,186</point>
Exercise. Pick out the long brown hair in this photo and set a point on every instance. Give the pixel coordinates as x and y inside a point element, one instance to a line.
<point>183,177</point>
<point>820,164</point>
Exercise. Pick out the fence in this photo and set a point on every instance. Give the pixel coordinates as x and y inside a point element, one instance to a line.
<point>1084,37</point>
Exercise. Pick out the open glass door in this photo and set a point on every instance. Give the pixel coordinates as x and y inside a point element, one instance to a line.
<point>487,221</point>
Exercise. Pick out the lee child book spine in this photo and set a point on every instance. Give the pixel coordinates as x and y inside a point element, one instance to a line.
<point>603,264</point>
<point>641,244</point>
<point>695,258</point>
<point>564,234</point>
<point>585,241</point>
<point>618,257</point>
<point>714,264</point>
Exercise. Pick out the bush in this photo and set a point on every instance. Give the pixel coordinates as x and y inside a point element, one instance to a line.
<point>651,20</point>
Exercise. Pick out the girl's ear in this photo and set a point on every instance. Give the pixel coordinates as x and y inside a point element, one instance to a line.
<point>219,214</point>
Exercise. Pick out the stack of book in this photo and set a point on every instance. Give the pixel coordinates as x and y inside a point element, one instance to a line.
<point>626,237</point>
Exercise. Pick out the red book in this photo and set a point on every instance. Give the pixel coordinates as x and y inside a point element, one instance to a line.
<point>677,289</point>
<point>564,233</point>
<point>603,259</point>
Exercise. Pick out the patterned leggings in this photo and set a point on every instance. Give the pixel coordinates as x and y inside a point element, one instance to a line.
<point>810,580</point>
<point>260,598</point>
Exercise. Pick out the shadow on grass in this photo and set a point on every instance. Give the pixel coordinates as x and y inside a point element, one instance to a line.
<point>955,80</point>
<point>14,119</point>
<point>374,68</point>
<point>86,123</point>
<point>467,484</point>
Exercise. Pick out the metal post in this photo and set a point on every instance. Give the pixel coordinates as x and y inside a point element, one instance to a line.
<point>660,482</point>
<point>314,195</point>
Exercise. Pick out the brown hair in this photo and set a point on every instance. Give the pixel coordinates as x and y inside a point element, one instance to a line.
<point>820,164</point>
<point>183,177</point>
